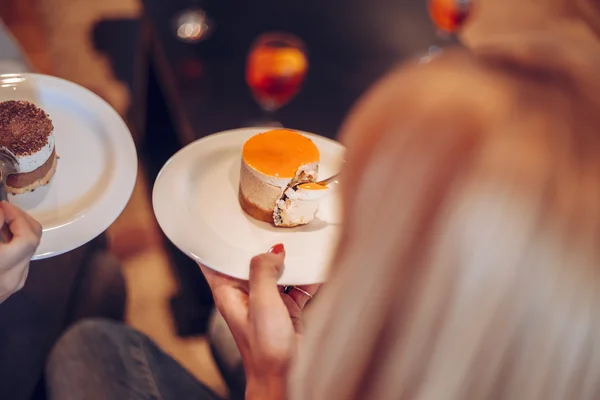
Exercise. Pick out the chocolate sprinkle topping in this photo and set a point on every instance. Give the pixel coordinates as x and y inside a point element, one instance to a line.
<point>24,128</point>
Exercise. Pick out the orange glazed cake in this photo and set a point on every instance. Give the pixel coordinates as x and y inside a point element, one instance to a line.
<point>28,133</point>
<point>277,178</point>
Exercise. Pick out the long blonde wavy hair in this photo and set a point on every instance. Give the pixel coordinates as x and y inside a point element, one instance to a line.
<point>469,266</point>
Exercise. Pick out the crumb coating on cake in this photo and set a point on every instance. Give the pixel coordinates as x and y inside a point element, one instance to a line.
<point>24,127</point>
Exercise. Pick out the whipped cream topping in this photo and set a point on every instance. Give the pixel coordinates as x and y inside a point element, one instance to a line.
<point>31,162</point>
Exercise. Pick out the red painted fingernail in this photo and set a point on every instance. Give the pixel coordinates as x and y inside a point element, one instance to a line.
<point>277,249</point>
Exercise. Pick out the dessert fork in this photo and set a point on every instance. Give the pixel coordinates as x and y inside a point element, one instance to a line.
<point>8,166</point>
<point>334,179</point>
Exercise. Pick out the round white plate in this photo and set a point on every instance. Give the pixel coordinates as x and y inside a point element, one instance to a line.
<point>195,200</point>
<point>96,170</point>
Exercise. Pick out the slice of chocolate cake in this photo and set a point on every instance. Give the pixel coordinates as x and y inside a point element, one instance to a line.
<point>27,132</point>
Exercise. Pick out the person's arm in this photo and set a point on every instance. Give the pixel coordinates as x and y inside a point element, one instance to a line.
<point>266,323</point>
<point>16,254</point>
<point>272,388</point>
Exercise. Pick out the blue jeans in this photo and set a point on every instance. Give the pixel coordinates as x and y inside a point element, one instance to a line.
<point>98,359</point>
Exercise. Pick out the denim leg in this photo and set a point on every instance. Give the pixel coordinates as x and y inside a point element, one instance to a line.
<point>98,359</point>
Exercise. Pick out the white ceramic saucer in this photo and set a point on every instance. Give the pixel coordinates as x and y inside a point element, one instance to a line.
<point>97,168</point>
<point>195,200</point>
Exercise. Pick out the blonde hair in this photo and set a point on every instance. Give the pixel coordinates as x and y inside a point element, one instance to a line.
<point>470,261</point>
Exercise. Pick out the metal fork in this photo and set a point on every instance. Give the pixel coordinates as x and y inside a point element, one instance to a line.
<point>325,182</point>
<point>332,179</point>
<point>8,166</point>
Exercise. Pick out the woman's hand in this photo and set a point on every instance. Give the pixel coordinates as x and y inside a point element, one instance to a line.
<point>16,254</point>
<point>266,323</point>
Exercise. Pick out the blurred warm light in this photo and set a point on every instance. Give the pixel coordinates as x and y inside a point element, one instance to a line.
<point>193,26</point>
<point>449,15</point>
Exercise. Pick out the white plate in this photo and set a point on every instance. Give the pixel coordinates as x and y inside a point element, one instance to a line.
<point>195,200</point>
<point>97,168</point>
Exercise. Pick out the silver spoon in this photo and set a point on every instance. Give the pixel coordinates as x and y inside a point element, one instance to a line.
<point>8,166</point>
